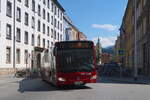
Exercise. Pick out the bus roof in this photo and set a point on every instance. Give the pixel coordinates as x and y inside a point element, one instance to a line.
<point>74,45</point>
<point>76,41</point>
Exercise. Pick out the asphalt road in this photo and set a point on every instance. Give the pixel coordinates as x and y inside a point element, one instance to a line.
<point>35,89</point>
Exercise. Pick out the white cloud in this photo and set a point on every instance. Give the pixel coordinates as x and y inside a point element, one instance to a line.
<point>106,41</point>
<point>108,27</point>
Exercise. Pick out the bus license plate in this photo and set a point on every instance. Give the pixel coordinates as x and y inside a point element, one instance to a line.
<point>78,83</point>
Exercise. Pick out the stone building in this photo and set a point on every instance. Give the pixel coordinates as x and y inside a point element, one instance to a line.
<point>135,32</point>
<point>143,35</point>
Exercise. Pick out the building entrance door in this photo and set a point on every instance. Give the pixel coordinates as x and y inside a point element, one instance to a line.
<point>39,60</point>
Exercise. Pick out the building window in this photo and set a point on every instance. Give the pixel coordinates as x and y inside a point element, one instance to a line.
<point>55,22</point>
<point>48,32</point>
<point>39,25</point>
<point>27,3</point>
<point>61,16</point>
<point>48,3</point>
<point>26,37</point>
<point>8,55</point>
<point>52,7</point>
<point>39,10</point>
<point>8,31</point>
<point>52,32</point>
<point>9,9</point>
<point>55,10</point>
<point>39,41</point>
<point>58,13</point>
<point>18,56</point>
<point>52,20</point>
<point>33,22</point>
<point>47,43</point>
<point>48,17</point>
<point>26,56</point>
<point>18,35</point>
<point>44,2</point>
<point>33,41</point>
<point>43,13</point>
<point>43,28</point>
<point>43,43</point>
<point>52,44</point>
<point>19,0</point>
<point>33,5</point>
<point>60,27</point>
<point>58,36</point>
<point>18,14</point>
<point>26,21</point>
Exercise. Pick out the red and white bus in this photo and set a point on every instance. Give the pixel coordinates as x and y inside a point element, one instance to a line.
<point>71,63</point>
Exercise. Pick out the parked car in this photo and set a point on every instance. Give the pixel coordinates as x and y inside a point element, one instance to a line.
<point>111,69</point>
<point>127,72</point>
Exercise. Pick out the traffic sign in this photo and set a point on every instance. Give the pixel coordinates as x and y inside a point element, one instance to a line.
<point>121,52</point>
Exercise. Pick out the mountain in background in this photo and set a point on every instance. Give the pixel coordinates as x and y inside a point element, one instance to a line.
<point>109,50</point>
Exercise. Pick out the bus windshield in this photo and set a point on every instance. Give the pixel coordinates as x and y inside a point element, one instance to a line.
<point>76,60</point>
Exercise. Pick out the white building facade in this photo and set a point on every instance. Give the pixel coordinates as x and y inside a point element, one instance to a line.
<point>26,25</point>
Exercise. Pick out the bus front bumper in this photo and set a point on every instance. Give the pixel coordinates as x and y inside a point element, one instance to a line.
<point>75,82</point>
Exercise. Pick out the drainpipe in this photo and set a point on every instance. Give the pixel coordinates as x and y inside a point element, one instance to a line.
<point>14,36</point>
<point>135,53</point>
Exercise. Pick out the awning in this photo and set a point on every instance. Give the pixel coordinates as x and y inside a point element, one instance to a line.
<point>40,49</point>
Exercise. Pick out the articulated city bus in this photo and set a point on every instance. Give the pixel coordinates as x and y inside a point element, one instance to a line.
<point>71,63</point>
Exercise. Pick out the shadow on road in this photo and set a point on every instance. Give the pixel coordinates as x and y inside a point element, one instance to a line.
<point>37,85</point>
<point>111,80</point>
<point>108,80</point>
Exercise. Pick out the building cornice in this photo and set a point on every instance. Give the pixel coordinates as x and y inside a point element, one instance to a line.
<point>59,5</point>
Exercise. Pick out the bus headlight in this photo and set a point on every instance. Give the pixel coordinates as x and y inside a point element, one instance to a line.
<point>61,79</point>
<point>94,77</point>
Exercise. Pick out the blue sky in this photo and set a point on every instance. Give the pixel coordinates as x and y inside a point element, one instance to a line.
<point>96,18</point>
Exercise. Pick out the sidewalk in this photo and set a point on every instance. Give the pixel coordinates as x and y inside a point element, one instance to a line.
<point>140,80</point>
<point>7,76</point>
<point>8,79</point>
